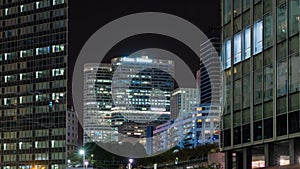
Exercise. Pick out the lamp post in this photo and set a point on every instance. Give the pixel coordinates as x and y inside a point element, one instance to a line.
<point>130,163</point>
<point>81,152</point>
<point>86,164</point>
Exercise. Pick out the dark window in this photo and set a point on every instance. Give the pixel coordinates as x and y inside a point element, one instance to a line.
<point>236,7</point>
<point>294,122</point>
<point>281,22</point>
<point>281,125</point>
<point>294,13</point>
<point>227,138</point>
<point>237,135</point>
<point>267,6</point>
<point>268,31</point>
<point>281,105</point>
<point>199,124</point>
<point>227,11</point>
<point>294,101</point>
<point>246,4</point>
<point>257,96</point>
<point>257,130</point>
<point>246,133</point>
<point>268,128</point>
<point>237,100</point>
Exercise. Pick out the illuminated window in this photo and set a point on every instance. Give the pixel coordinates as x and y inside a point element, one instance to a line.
<point>227,60</point>
<point>56,2</point>
<point>44,50</point>
<point>237,48</point>
<point>37,4</point>
<point>58,48</point>
<point>246,43</point>
<point>284,160</point>
<point>20,145</point>
<point>58,72</point>
<point>257,37</point>
<point>21,8</point>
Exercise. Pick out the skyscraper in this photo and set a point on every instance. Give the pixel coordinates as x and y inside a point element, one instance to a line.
<point>208,76</point>
<point>260,115</point>
<point>97,103</point>
<point>33,81</point>
<point>141,88</point>
<point>127,93</point>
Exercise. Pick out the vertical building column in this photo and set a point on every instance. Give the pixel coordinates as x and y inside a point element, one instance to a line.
<point>271,155</point>
<point>228,160</point>
<point>267,155</point>
<point>292,151</point>
<point>239,159</point>
<point>297,150</point>
<point>247,158</point>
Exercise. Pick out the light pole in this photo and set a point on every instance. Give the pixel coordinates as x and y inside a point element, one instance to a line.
<point>81,152</point>
<point>86,164</point>
<point>130,163</point>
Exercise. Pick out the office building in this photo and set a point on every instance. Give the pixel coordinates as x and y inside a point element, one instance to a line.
<point>133,91</point>
<point>97,103</point>
<point>184,100</point>
<point>208,76</point>
<point>260,53</point>
<point>141,89</point>
<point>33,82</point>
<point>198,127</point>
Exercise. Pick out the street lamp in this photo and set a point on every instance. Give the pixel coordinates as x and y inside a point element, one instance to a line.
<point>81,152</point>
<point>86,164</point>
<point>130,163</point>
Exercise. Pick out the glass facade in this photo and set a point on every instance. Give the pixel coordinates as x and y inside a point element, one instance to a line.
<point>261,100</point>
<point>33,61</point>
<point>141,89</point>
<point>97,103</point>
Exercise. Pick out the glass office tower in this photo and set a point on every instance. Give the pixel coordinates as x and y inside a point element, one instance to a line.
<point>261,80</point>
<point>141,89</point>
<point>33,62</point>
<point>98,103</point>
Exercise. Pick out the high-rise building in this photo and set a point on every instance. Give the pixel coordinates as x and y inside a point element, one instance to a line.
<point>208,76</point>
<point>260,53</point>
<point>97,103</point>
<point>184,100</point>
<point>33,82</point>
<point>141,89</point>
<point>132,90</point>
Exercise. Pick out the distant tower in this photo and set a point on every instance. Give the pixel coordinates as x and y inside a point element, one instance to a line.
<point>97,103</point>
<point>141,88</point>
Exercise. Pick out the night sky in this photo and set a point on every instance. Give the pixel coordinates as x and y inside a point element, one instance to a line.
<point>87,16</point>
